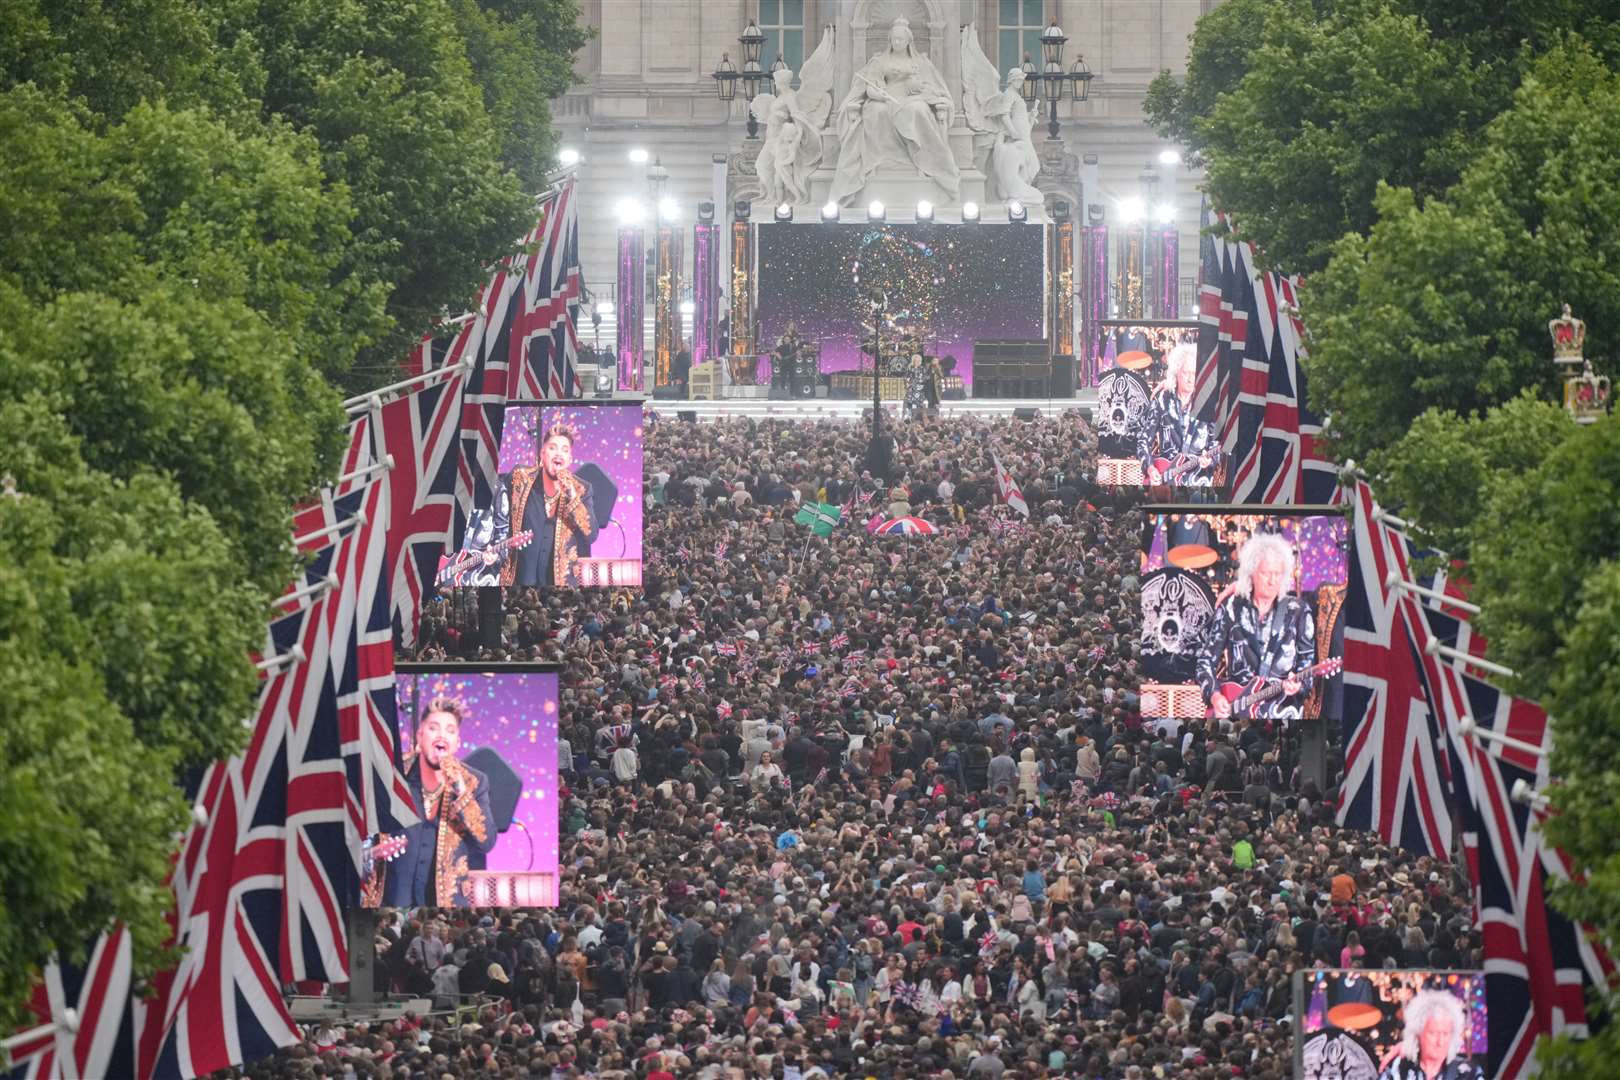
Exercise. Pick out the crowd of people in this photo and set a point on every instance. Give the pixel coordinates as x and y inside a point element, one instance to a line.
<point>884,806</point>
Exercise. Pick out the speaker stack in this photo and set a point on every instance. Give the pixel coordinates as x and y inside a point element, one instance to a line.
<point>806,373</point>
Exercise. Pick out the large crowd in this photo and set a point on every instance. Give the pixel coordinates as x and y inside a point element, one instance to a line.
<point>884,806</point>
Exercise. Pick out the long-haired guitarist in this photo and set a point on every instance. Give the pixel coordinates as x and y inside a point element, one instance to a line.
<point>1265,635</point>
<point>1173,445</point>
<point>557,507</point>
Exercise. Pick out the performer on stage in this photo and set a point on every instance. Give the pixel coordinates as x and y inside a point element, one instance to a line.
<point>457,822</point>
<point>1265,637</point>
<point>788,348</point>
<point>563,520</point>
<point>924,382</point>
<point>1173,445</point>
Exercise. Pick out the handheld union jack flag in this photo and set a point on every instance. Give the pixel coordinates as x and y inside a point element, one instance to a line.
<point>720,550</point>
<point>838,641</point>
<point>726,648</point>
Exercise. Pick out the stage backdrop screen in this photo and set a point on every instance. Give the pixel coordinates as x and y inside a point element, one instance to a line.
<point>1206,573</point>
<point>1366,1024</point>
<point>585,530</point>
<point>955,284</point>
<point>486,741</point>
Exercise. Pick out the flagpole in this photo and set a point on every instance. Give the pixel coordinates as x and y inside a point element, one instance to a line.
<point>363,402</point>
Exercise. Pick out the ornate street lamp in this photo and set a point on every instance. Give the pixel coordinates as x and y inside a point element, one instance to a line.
<point>752,76</point>
<point>1032,80</point>
<point>1056,83</point>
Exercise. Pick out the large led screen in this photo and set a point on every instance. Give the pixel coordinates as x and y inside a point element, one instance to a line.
<point>949,285</point>
<point>479,752</point>
<point>1241,614</point>
<point>1149,433</point>
<point>568,509</point>
<point>1389,1024</point>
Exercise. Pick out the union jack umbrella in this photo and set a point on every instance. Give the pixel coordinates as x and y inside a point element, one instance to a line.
<point>906,526</point>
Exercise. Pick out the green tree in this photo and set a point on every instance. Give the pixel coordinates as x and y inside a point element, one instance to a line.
<point>1443,470</point>
<point>522,54</point>
<point>1445,303</point>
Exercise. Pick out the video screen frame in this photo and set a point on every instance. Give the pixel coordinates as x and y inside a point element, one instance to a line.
<point>1191,572</point>
<point>1148,434</point>
<point>1353,1022</point>
<point>595,517</point>
<point>505,782</point>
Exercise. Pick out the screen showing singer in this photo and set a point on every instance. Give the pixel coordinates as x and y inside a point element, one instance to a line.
<point>566,512</point>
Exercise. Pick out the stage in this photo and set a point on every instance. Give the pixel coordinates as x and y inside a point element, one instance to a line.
<point>835,409</point>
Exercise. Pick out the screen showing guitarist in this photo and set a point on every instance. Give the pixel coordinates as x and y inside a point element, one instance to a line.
<point>1261,639</point>
<point>1173,446</point>
<point>558,507</point>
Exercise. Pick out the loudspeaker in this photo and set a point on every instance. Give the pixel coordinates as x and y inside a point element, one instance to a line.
<point>689,415</point>
<point>490,617</point>
<point>803,388</point>
<point>880,456</point>
<point>1027,415</point>
<point>1063,376</point>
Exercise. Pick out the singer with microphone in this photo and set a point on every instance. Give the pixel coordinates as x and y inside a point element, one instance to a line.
<point>456,820</point>
<point>562,517</point>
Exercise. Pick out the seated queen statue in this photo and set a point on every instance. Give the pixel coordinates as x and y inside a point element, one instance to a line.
<point>897,113</point>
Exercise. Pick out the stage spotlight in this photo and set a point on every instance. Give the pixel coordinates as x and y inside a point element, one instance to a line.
<point>706,211</point>
<point>970,211</point>
<point>742,210</point>
<point>925,210</point>
<point>829,212</point>
<point>1017,212</point>
<point>688,308</point>
<point>1169,157</point>
<point>568,156</point>
<point>1164,213</point>
<point>784,212</point>
<point>1060,210</point>
<point>1132,209</point>
<point>604,307</point>
<point>638,156</point>
<point>668,209</point>
<point>629,212</point>
<point>874,211</point>
<point>1095,214</point>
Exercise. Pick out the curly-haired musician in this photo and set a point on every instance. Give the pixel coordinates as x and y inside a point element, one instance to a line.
<point>1265,635</point>
<point>456,820</point>
<point>563,519</point>
<point>1173,445</point>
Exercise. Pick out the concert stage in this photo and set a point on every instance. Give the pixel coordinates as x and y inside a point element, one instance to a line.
<point>835,409</point>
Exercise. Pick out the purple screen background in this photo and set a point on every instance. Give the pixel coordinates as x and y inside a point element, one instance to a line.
<point>984,282</point>
<point>1319,539</point>
<point>514,714</point>
<point>609,437</point>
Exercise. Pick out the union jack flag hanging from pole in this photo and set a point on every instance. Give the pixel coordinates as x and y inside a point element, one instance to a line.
<point>545,342</point>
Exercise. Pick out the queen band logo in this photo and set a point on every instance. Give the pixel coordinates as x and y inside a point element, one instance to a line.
<point>1121,399</point>
<point>1336,1056</point>
<point>1176,608</point>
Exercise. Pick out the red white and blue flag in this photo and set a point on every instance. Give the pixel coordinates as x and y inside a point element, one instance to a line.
<point>545,340</point>
<point>1397,774</point>
<point>86,1018</point>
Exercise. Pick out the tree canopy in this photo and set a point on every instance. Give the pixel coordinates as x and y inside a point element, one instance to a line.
<point>220,215</point>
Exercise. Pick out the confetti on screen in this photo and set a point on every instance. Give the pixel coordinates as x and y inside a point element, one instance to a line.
<point>955,285</point>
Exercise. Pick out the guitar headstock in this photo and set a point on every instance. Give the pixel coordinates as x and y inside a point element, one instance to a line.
<point>1329,668</point>
<point>388,848</point>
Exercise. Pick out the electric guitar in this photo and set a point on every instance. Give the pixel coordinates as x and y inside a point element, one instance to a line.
<point>1174,471</point>
<point>474,559</point>
<point>1250,701</point>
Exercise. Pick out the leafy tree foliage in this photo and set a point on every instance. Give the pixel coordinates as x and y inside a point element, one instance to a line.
<point>1445,303</point>
<point>212,210</point>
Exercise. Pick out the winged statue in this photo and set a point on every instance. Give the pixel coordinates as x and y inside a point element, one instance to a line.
<point>794,121</point>
<point>1000,113</point>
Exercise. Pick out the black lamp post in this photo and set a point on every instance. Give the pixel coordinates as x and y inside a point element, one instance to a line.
<point>1056,83</point>
<point>752,76</point>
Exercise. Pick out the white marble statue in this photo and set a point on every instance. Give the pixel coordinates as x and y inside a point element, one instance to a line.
<point>898,112</point>
<point>793,121</point>
<point>1005,118</point>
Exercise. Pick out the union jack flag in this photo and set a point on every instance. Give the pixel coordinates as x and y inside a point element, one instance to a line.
<point>1539,965</point>
<point>421,431</point>
<point>726,648</point>
<point>323,512</point>
<point>723,709</point>
<point>855,654</point>
<point>719,550</point>
<point>839,640</point>
<point>698,683</point>
<point>682,553</point>
<point>1397,772</point>
<point>989,941</point>
<point>810,648</point>
<point>89,1022</point>
<point>545,342</point>
<point>488,346</point>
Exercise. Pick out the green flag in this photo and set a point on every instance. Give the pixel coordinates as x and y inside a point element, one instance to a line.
<point>821,517</point>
